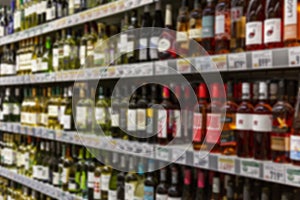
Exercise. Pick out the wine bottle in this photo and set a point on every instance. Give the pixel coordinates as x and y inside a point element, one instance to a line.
<point>144,38</point>
<point>174,191</point>
<point>150,182</point>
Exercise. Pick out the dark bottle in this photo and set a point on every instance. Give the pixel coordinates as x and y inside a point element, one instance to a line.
<point>187,192</point>
<point>162,187</point>
<point>199,125</point>
<point>244,135</point>
<point>132,42</point>
<point>254,27</point>
<point>222,27</point>
<point>115,114</point>
<point>54,164</point>
<point>262,125</point>
<point>273,24</point>
<point>182,42</point>
<point>273,88</point>
<point>142,105</point>
<point>123,113</point>
<point>177,126</point>
<point>238,25</point>
<point>144,36</point>
<point>16,106</point>
<point>216,188</point>
<point>91,174</point>
<point>230,190</point>
<point>208,29</point>
<point>195,29</point>
<point>166,42</point>
<point>175,190</point>
<point>164,115</point>
<point>228,141</point>
<point>200,193</point>
<point>150,182</point>
<point>132,115</point>
<point>187,115</point>
<point>158,22</point>
<point>295,137</point>
<point>282,113</point>
<point>213,121</point>
<point>152,111</point>
<point>121,179</point>
<point>66,169</point>
<point>247,190</point>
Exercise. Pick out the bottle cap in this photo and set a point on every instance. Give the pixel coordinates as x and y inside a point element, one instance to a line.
<point>215,93</point>
<point>166,92</point>
<point>202,91</point>
<point>200,178</point>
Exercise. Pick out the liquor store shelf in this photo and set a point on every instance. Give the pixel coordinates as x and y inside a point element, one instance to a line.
<point>283,59</point>
<point>41,187</point>
<point>181,154</point>
<point>102,11</point>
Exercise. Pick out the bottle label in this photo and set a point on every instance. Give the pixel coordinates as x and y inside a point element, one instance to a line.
<point>97,187</point>
<point>181,36</point>
<point>129,191</point>
<point>272,28</point>
<point>207,26</point>
<point>82,54</point>
<point>37,171</point>
<point>162,123</point>
<point>44,66</point>
<point>67,50</point>
<point>91,178</point>
<point>161,197</point>
<point>236,13</point>
<point>176,124</point>
<point>6,107</point>
<point>262,123</point>
<point>195,33</point>
<point>9,156</point>
<point>213,125</point>
<point>115,120</point>
<point>53,111</point>
<point>131,120</point>
<point>123,43</point>
<point>141,119</point>
<point>72,186</point>
<point>228,132</point>
<point>65,175</point>
<point>123,118</point>
<point>1,31</point>
<point>45,173</point>
<point>143,48</point>
<point>153,47</point>
<point>163,44</point>
<point>220,24</point>
<point>112,194</point>
<point>26,161</point>
<point>49,14</point>
<point>243,121</point>
<point>90,49</point>
<point>61,112</point>
<point>44,119</point>
<point>67,122</point>
<point>254,33</point>
<point>81,116</point>
<point>197,127</point>
<point>130,46</point>
<point>280,143</point>
<point>282,122</point>
<point>55,59</point>
<point>105,182</point>
<point>295,148</point>
<point>16,109</point>
<point>55,178</point>
<point>150,122</point>
<point>290,19</point>
<point>100,115</point>
<point>148,193</point>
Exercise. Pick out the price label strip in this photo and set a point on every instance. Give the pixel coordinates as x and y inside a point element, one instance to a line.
<point>162,153</point>
<point>183,66</point>
<point>294,57</point>
<point>250,168</point>
<point>292,176</point>
<point>226,164</point>
<point>237,61</point>
<point>274,172</point>
<point>203,64</point>
<point>161,68</point>
<point>262,59</point>
<point>179,156</point>
<point>201,159</point>
<point>220,62</point>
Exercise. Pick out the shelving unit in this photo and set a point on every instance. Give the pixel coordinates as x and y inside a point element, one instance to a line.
<point>181,154</point>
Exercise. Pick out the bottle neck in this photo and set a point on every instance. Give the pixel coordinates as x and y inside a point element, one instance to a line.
<point>168,20</point>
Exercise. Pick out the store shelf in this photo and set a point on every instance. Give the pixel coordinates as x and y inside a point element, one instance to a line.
<point>181,154</point>
<point>36,185</point>
<point>283,59</point>
<point>102,11</point>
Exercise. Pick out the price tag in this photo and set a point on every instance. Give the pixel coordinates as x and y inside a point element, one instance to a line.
<point>274,172</point>
<point>121,5</point>
<point>292,176</point>
<point>262,59</point>
<point>294,57</point>
<point>105,10</point>
<point>201,159</point>
<point>161,68</point>
<point>145,69</point>
<point>183,66</point>
<point>111,72</point>
<point>220,62</point>
<point>130,3</point>
<point>112,7</point>
<point>16,128</point>
<point>162,153</point>
<point>50,134</point>
<point>203,63</point>
<point>237,61</point>
<point>179,156</point>
<point>250,168</point>
<point>226,164</point>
